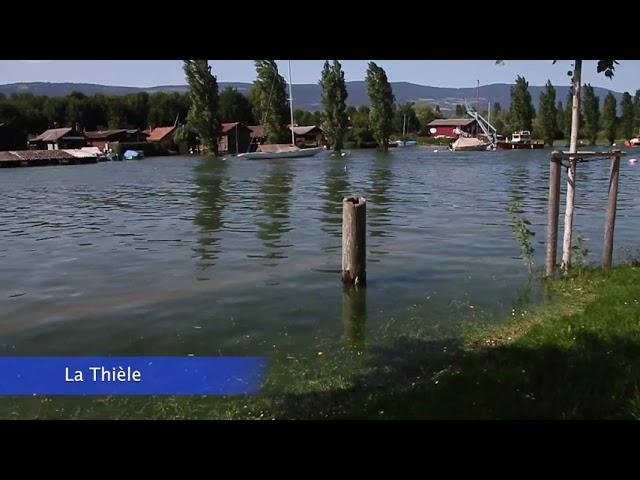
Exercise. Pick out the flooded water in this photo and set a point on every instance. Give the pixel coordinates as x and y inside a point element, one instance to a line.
<point>184,255</point>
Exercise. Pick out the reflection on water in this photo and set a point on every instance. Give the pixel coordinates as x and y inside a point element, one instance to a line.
<point>112,254</point>
<point>336,187</point>
<point>379,204</point>
<point>211,197</point>
<point>354,316</point>
<point>274,200</point>
<point>518,181</point>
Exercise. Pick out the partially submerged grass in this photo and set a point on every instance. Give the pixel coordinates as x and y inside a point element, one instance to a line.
<point>577,355</point>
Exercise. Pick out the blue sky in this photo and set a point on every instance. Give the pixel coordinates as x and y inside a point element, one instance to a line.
<point>443,73</point>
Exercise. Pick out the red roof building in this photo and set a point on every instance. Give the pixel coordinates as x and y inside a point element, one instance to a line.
<point>450,127</point>
<point>164,136</point>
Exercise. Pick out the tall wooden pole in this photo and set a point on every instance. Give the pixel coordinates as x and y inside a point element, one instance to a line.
<point>610,222</point>
<point>354,244</point>
<point>553,212</point>
<point>571,176</point>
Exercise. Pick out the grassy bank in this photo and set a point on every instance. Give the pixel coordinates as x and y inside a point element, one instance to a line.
<point>578,357</point>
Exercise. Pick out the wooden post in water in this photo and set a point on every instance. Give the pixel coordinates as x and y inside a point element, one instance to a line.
<point>610,223</point>
<point>354,315</point>
<point>354,232</point>
<point>554,210</point>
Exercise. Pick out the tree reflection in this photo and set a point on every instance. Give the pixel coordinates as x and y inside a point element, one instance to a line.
<point>336,188</point>
<point>274,200</point>
<point>211,195</point>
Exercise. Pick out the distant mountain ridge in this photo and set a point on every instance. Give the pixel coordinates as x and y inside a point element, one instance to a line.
<point>307,96</point>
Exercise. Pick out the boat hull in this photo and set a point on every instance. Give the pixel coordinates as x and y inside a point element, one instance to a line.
<point>478,148</point>
<point>519,146</point>
<point>303,152</point>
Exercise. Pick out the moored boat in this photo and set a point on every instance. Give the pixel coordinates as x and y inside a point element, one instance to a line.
<point>634,142</point>
<point>281,151</point>
<point>470,144</point>
<point>520,141</point>
<point>133,155</point>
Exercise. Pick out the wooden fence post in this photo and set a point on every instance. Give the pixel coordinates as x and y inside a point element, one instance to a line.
<point>553,212</point>
<point>610,222</point>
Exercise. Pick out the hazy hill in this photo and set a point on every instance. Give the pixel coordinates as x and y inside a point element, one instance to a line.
<point>307,96</point>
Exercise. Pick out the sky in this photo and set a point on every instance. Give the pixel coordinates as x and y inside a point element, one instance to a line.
<point>438,73</point>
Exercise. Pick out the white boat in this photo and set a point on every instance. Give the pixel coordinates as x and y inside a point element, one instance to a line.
<point>282,150</point>
<point>469,145</point>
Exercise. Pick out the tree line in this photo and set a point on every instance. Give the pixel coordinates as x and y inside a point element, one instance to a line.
<point>552,121</point>
<point>269,104</point>
<point>203,109</point>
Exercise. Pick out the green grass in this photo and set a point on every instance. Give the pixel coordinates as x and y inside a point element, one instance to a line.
<point>576,358</point>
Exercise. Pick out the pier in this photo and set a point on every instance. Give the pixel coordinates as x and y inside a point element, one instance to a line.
<point>33,158</point>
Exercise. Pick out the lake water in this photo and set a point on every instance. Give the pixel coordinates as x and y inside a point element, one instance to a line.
<point>186,255</point>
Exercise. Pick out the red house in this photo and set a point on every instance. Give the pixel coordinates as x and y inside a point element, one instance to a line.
<point>446,127</point>
<point>164,136</point>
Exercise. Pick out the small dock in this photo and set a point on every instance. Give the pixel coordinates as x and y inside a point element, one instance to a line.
<point>34,158</point>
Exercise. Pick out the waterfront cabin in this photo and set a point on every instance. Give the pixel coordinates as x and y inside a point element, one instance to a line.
<point>164,137</point>
<point>305,135</point>
<point>102,138</point>
<point>309,135</point>
<point>235,137</point>
<point>453,127</point>
<point>58,139</point>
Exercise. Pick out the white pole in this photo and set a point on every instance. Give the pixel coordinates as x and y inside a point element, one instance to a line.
<point>293,135</point>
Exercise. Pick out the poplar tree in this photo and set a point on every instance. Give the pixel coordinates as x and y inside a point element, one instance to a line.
<point>626,104</point>
<point>522,110</point>
<point>269,98</point>
<point>382,99</point>
<point>203,117</point>
<point>334,100</point>
<point>548,113</point>
<point>609,119</point>
<point>591,114</point>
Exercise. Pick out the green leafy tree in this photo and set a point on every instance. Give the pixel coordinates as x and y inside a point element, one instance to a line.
<point>609,118</point>
<point>591,114</point>
<point>459,111</point>
<point>548,114</point>
<point>361,128</point>
<point>405,116</point>
<point>204,114</point>
<point>117,113</point>
<point>165,108</point>
<point>186,138</point>
<point>382,99</point>
<point>425,114</point>
<point>636,111</point>
<point>497,109</point>
<point>334,100</point>
<point>627,118</point>
<point>522,111</point>
<point>137,109</point>
<point>235,107</point>
<point>559,120</point>
<point>269,99</point>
